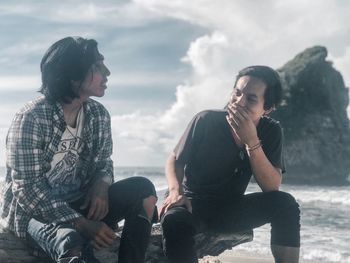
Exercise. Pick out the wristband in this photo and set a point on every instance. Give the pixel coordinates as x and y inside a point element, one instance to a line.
<point>254,147</point>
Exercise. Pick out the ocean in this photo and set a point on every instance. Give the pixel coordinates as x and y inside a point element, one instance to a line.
<point>325,217</point>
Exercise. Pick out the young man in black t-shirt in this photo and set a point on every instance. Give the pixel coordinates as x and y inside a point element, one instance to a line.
<point>210,168</point>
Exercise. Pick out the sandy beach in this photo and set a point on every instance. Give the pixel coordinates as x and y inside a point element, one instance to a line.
<point>237,258</point>
<point>230,256</point>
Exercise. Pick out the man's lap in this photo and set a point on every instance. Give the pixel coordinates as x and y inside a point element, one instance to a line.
<point>230,214</point>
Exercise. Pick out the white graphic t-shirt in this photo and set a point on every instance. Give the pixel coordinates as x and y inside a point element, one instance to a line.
<point>63,176</point>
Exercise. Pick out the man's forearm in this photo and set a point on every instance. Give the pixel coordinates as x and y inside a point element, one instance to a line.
<point>267,176</point>
<point>174,173</point>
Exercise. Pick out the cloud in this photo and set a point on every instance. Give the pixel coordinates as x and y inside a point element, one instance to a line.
<point>243,33</point>
<point>235,34</point>
<point>150,138</point>
<point>20,83</point>
<point>113,13</point>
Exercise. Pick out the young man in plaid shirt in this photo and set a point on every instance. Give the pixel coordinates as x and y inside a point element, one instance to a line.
<point>59,192</point>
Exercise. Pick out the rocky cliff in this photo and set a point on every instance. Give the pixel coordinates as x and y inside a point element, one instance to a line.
<point>313,115</point>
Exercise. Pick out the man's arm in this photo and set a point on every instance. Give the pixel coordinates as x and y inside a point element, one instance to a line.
<point>100,234</point>
<point>174,172</point>
<point>175,165</point>
<point>97,197</point>
<point>267,176</point>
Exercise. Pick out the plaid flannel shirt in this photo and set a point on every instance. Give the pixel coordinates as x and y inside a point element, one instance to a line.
<point>31,142</point>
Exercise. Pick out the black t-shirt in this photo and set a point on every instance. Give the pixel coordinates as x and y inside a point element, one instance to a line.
<point>215,167</point>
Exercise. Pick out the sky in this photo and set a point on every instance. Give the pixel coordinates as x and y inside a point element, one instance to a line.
<point>168,59</point>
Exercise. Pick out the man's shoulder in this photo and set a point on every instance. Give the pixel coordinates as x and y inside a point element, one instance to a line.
<point>96,109</point>
<point>266,120</point>
<point>211,114</point>
<point>268,124</point>
<point>37,106</point>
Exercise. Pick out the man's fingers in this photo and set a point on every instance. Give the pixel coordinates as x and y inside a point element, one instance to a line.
<point>105,212</point>
<point>92,210</point>
<point>239,114</point>
<point>86,203</point>
<point>96,215</point>
<point>243,111</point>
<point>102,241</point>
<point>109,233</point>
<point>234,116</point>
<point>232,123</point>
<point>101,210</point>
<point>95,245</point>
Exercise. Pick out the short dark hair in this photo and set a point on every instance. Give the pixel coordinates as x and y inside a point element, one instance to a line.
<point>273,91</point>
<point>67,60</point>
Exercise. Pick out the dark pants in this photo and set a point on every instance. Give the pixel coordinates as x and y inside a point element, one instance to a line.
<point>231,215</point>
<point>125,202</point>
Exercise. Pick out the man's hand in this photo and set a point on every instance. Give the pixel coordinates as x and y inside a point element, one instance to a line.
<point>175,199</point>
<point>99,233</point>
<point>241,123</point>
<point>97,201</point>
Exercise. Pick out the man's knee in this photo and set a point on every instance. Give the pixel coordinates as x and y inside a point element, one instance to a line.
<point>286,212</point>
<point>70,244</point>
<point>285,201</point>
<point>177,221</point>
<point>290,204</point>
<point>145,186</point>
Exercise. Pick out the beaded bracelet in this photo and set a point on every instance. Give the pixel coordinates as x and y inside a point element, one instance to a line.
<point>254,147</point>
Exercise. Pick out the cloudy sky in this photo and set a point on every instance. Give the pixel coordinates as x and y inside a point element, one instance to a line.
<point>169,59</point>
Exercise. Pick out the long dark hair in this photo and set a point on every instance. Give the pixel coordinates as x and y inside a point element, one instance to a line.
<point>67,60</point>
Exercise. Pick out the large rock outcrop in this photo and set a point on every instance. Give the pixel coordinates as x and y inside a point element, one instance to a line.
<point>313,115</point>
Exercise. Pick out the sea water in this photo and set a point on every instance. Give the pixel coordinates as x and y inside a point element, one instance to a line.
<point>325,217</point>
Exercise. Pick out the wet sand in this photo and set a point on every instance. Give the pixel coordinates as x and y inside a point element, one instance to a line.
<point>243,257</point>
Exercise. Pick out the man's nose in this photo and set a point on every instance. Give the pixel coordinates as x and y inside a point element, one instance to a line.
<point>106,71</point>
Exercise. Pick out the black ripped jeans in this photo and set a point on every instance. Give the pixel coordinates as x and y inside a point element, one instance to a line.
<point>231,215</point>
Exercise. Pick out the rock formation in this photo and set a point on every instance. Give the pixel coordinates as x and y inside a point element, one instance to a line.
<point>13,250</point>
<point>313,115</point>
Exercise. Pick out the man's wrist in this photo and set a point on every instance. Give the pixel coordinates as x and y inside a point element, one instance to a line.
<point>253,147</point>
<point>176,190</point>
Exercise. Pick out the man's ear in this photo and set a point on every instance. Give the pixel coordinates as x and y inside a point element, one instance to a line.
<point>75,85</point>
<point>268,111</point>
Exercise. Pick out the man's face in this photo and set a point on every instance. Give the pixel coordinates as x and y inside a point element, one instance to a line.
<point>249,94</point>
<point>95,81</point>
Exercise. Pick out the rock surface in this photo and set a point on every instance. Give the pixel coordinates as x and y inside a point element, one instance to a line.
<point>313,115</point>
<point>13,250</point>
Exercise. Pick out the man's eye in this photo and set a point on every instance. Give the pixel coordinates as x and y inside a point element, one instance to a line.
<point>97,67</point>
<point>238,92</point>
<point>251,100</point>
